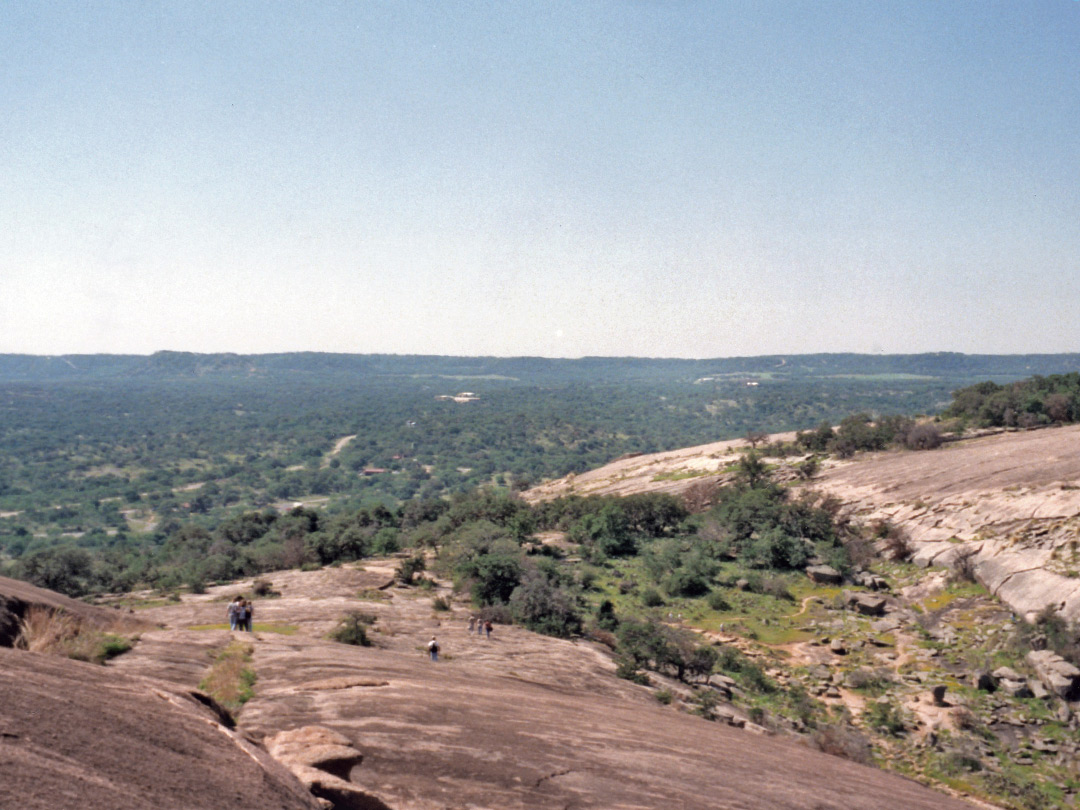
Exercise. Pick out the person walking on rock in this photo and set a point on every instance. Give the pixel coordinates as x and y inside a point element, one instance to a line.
<point>433,649</point>
<point>487,628</point>
<point>472,623</point>
<point>246,612</point>
<point>234,612</point>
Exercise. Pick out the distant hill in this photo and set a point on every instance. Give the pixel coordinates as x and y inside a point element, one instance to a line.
<point>186,365</point>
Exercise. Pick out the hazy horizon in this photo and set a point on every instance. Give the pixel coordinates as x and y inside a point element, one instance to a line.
<point>549,179</point>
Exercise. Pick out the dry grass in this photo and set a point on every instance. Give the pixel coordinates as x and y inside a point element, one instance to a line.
<point>55,632</point>
<point>230,679</point>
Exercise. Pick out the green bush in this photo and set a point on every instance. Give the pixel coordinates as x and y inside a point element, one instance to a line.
<point>545,608</point>
<point>884,717</point>
<point>352,629</point>
<point>717,602</point>
<point>408,568</point>
<point>650,597</point>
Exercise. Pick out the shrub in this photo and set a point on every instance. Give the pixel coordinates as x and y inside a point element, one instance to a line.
<point>705,702</point>
<point>352,629</point>
<point>440,604</point>
<point>925,436</point>
<point>263,587</point>
<point>650,597</point>
<point>409,568</point>
<point>717,602</point>
<point>605,616</point>
<point>664,696</point>
<point>884,717</point>
<point>628,669</point>
<point>545,608</point>
<point>686,582</point>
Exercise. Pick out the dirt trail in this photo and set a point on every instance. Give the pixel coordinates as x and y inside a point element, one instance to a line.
<point>339,445</point>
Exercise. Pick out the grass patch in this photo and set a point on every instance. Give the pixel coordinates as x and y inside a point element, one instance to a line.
<point>281,628</point>
<point>373,595</point>
<point>230,680</point>
<point>58,633</point>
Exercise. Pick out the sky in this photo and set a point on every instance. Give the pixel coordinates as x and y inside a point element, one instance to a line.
<point>562,179</point>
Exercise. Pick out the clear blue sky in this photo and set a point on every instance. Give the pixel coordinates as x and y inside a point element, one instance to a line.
<point>667,179</point>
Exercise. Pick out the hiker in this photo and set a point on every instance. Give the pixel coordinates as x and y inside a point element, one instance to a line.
<point>433,649</point>
<point>246,612</point>
<point>472,623</point>
<point>487,628</point>
<point>234,612</point>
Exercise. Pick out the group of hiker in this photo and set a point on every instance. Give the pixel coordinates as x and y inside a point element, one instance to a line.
<point>480,626</point>
<point>240,613</point>
<point>477,625</point>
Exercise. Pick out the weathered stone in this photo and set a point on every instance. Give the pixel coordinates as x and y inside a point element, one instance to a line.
<point>824,574</point>
<point>323,760</point>
<point>984,680</point>
<point>722,683</point>
<point>1055,673</point>
<point>938,694</point>
<point>1007,674</point>
<point>838,647</point>
<point>864,603</point>
<point>1016,689</point>
<point>76,735</point>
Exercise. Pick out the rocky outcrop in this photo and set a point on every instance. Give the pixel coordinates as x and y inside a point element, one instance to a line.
<point>1006,508</point>
<point>323,759</point>
<point>865,603</point>
<point>824,574</point>
<point>1056,674</point>
<point>79,735</point>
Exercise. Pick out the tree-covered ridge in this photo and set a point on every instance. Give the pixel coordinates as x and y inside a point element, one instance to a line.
<point>1027,403</point>
<point>525,370</point>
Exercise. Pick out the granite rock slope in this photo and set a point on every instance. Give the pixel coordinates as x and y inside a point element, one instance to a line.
<point>515,721</point>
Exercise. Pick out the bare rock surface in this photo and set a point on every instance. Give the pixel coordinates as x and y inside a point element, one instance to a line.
<point>76,735</point>
<point>1011,502</point>
<point>515,721</point>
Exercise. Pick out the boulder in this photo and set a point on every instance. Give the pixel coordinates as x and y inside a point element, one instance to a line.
<point>323,760</point>
<point>871,581</point>
<point>1059,676</point>
<point>722,683</point>
<point>864,603</point>
<point>824,574</point>
<point>938,694</point>
<point>838,647</point>
<point>1016,689</point>
<point>1007,674</point>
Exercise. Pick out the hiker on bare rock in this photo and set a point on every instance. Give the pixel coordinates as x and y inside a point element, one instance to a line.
<point>487,628</point>
<point>246,612</point>
<point>234,612</point>
<point>472,623</point>
<point>433,649</point>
